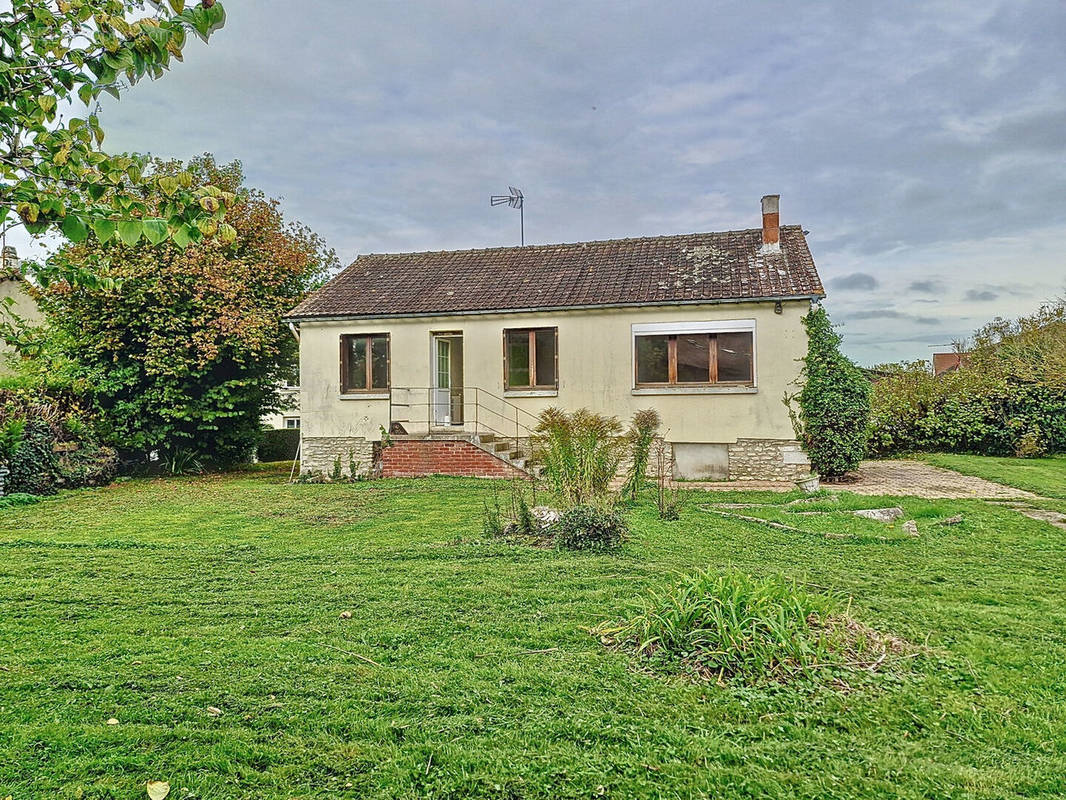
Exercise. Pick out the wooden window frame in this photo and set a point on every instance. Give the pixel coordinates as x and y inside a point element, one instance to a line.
<point>671,357</point>
<point>533,386</point>
<point>345,349</point>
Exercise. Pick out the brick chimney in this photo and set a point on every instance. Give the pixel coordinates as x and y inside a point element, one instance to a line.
<point>771,221</point>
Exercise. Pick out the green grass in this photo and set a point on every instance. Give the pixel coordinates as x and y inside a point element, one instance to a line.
<point>1043,476</point>
<point>152,600</point>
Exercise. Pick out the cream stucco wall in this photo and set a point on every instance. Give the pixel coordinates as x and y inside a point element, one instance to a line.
<point>24,307</point>
<point>595,370</point>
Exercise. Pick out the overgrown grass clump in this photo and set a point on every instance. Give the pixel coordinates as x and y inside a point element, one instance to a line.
<point>731,627</point>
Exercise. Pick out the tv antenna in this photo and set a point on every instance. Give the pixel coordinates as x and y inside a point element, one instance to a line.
<point>514,200</point>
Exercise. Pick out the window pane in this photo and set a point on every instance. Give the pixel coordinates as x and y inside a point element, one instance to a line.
<point>545,342</point>
<point>380,361</point>
<point>517,359</point>
<point>734,357</point>
<point>653,359</point>
<point>356,377</point>
<point>693,358</point>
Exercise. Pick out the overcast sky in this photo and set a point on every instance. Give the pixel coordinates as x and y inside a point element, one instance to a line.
<point>922,145</point>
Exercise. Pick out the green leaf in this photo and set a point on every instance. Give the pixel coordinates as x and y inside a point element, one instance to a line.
<point>168,185</point>
<point>47,102</point>
<point>177,5</point>
<point>129,231</point>
<point>155,230</point>
<point>96,190</point>
<point>75,229</point>
<point>181,236</point>
<point>104,229</point>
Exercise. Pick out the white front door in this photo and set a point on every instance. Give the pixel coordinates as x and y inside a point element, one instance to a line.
<point>442,395</point>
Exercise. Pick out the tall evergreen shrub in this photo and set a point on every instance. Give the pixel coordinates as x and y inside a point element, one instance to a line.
<point>833,405</point>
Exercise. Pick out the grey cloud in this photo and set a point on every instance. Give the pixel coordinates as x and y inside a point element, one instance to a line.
<point>925,286</point>
<point>975,296</point>
<point>856,281</point>
<point>895,134</point>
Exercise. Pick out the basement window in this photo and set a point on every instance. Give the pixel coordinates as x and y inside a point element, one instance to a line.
<point>365,363</point>
<point>683,355</point>
<point>530,358</point>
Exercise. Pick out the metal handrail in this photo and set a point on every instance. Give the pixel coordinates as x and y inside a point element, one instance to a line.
<point>477,389</point>
<point>478,407</point>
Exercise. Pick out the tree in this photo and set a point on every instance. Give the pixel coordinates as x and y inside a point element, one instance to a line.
<point>834,403</point>
<point>184,347</point>
<point>53,174</point>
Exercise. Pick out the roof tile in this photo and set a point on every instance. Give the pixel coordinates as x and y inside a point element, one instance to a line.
<point>661,269</point>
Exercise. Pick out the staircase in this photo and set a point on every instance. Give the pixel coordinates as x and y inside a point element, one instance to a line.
<point>487,421</point>
<point>514,452</point>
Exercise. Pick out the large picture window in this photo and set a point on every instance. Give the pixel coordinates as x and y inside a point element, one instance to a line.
<point>364,363</point>
<point>530,358</point>
<point>694,359</point>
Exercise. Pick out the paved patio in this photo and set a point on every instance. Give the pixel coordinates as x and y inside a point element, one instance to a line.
<point>896,477</point>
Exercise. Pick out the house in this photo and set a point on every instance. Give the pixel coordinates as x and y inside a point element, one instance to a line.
<point>16,303</point>
<point>450,356</point>
<point>288,412</point>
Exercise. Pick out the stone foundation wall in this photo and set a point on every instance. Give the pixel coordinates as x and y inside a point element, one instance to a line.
<point>767,460</point>
<point>418,458</point>
<point>319,453</point>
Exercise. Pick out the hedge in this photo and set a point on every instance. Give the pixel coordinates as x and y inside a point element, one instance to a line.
<point>279,444</point>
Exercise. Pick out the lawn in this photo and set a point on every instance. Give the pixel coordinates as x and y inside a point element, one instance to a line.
<point>466,668</point>
<point>1043,476</point>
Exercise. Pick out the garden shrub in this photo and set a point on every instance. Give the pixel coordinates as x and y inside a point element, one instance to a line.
<point>47,444</point>
<point>585,527</point>
<point>579,453</point>
<point>1008,400</point>
<point>730,626</point>
<point>18,499</point>
<point>278,444</point>
<point>834,403</point>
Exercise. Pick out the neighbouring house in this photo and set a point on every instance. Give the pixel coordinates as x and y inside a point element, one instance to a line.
<point>450,356</point>
<point>944,363</point>
<point>288,413</point>
<point>15,300</point>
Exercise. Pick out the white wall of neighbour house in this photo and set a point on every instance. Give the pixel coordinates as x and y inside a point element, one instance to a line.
<point>24,307</point>
<point>595,371</point>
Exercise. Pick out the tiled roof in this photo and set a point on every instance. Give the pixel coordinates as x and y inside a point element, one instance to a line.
<point>691,268</point>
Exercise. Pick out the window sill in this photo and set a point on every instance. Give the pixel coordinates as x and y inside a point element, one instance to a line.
<point>364,396</point>
<point>531,393</point>
<point>648,390</point>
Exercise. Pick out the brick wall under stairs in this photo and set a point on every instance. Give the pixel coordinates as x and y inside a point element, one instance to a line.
<point>460,455</point>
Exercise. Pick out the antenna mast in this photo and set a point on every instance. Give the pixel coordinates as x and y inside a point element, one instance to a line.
<point>515,200</point>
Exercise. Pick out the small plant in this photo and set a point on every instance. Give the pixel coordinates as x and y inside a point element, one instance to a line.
<point>669,499</point>
<point>183,462</point>
<point>386,437</point>
<point>587,527</point>
<point>336,474</point>
<point>730,626</point>
<point>355,468</point>
<point>642,430</point>
<point>492,517</point>
<point>524,520</point>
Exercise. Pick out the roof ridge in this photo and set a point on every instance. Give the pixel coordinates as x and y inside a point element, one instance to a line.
<point>573,244</point>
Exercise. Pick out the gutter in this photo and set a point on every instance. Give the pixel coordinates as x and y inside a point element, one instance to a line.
<point>542,309</point>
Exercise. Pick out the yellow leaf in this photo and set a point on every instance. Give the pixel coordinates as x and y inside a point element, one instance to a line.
<point>158,790</point>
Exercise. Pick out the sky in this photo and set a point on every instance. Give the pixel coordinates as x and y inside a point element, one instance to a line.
<point>923,146</point>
